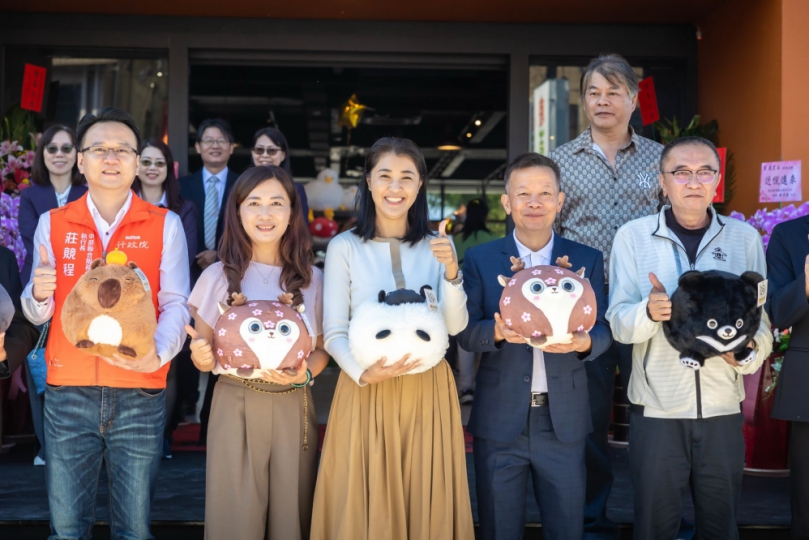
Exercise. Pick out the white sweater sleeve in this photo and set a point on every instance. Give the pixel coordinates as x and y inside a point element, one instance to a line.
<point>627,307</point>
<point>337,306</point>
<point>763,338</point>
<point>452,301</point>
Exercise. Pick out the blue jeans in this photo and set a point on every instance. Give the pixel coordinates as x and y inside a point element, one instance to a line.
<point>84,424</point>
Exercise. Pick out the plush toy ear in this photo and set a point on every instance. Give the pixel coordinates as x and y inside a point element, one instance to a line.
<point>96,263</point>
<point>423,288</point>
<point>382,295</point>
<point>222,307</point>
<point>752,278</point>
<point>131,265</point>
<point>691,278</point>
<point>502,280</point>
<point>580,273</point>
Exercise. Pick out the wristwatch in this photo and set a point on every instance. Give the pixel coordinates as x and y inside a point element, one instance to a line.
<point>457,281</point>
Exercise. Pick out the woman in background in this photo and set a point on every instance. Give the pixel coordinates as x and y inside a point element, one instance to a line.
<point>156,183</point>
<point>55,181</point>
<point>269,147</point>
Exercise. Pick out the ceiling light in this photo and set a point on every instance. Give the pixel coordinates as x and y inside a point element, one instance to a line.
<point>478,122</point>
<point>160,74</point>
<point>449,146</point>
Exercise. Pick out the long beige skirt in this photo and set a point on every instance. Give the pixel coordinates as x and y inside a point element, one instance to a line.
<point>259,480</point>
<point>393,465</point>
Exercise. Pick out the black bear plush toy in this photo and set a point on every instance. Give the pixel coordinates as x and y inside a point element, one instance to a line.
<point>713,313</point>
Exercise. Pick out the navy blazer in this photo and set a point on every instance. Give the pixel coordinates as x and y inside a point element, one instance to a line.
<point>192,189</point>
<point>787,307</point>
<point>503,390</point>
<point>35,200</point>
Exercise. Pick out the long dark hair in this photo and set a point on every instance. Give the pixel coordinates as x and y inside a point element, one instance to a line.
<point>476,212</point>
<point>170,185</point>
<point>418,216</point>
<point>295,251</point>
<point>280,141</point>
<point>39,172</point>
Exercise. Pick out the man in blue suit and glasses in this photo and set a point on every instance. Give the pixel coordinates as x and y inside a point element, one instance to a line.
<point>531,410</point>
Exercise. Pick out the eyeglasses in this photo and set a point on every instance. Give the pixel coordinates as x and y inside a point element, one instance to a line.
<point>683,176</point>
<point>65,148</point>
<point>211,142</point>
<point>272,152</point>
<point>103,151</point>
<point>146,162</point>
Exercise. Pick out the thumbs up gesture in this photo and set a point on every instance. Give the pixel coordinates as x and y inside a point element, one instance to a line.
<point>44,277</point>
<point>201,352</point>
<point>443,251</point>
<point>659,307</point>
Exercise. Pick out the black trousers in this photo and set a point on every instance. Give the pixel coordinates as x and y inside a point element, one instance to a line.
<point>667,456</point>
<point>799,479</point>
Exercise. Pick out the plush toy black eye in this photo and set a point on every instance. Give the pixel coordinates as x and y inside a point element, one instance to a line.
<point>739,323</point>
<point>712,324</point>
<point>383,334</point>
<point>567,285</point>
<point>284,329</point>
<point>255,327</point>
<point>423,335</point>
<point>537,287</point>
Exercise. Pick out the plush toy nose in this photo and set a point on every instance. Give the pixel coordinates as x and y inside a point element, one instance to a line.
<point>109,292</point>
<point>726,332</point>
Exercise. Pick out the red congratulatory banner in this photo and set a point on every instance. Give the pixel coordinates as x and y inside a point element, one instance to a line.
<point>33,88</point>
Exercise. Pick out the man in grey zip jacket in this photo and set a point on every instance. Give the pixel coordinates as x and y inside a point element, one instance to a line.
<point>686,425</point>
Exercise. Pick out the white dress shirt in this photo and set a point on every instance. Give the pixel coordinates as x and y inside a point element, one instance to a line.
<point>539,379</point>
<point>220,186</point>
<point>172,298</point>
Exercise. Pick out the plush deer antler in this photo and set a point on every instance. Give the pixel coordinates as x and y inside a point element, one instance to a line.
<point>562,262</point>
<point>517,264</point>
<point>285,298</point>
<point>239,299</point>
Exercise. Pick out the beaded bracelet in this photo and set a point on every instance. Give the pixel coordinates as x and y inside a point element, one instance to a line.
<point>304,384</point>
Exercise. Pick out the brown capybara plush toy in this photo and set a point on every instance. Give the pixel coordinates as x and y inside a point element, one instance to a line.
<point>110,311</point>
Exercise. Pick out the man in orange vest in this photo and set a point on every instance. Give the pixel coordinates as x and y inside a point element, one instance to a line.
<point>98,407</point>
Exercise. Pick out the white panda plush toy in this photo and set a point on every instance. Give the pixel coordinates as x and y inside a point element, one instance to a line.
<point>399,323</point>
<point>325,191</point>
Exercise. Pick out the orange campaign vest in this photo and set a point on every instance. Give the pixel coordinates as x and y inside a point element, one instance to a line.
<point>76,244</point>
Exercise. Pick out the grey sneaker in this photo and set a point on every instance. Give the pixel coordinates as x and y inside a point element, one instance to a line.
<point>467,396</point>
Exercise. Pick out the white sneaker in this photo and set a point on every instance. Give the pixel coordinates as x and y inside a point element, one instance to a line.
<point>39,462</point>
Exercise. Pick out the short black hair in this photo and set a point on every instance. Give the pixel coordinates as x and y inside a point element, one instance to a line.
<point>418,217</point>
<point>220,124</point>
<point>532,159</point>
<point>686,141</point>
<point>107,114</point>
<point>612,67</point>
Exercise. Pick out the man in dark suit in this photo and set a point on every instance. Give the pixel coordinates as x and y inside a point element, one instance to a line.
<point>787,305</point>
<point>531,410</point>
<point>208,188</point>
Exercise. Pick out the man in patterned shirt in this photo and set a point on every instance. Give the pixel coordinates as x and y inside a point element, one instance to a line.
<point>609,174</point>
